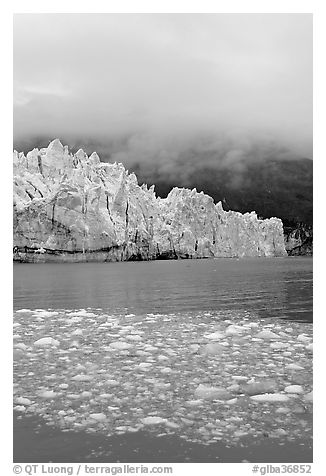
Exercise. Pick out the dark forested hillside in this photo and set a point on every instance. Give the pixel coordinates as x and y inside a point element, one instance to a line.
<point>281,188</point>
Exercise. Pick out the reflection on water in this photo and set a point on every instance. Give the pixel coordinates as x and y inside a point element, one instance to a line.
<point>273,287</point>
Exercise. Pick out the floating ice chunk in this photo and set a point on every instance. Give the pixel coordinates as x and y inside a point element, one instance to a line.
<point>159,385</point>
<point>144,365</point>
<point>134,337</point>
<point>86,394</point>
<point>283,410</point>
<point>23,401</point>
<point>303,338</point>
<point>194,403</point>
<point>161,358</point>
<point>294,367</point>
<point>171,424</point>
<point>21,346</point>
<point>281,432</point>
<point>212,393</point>
<point>18,354</point>
<point>70,418</point>
<point>233,388</point>
<point>239,378</point>
<point>97,416</point>
<point>130,315</point>
<point>105,396</point>
<point>45,341</point>
<point>153,420</point>
<point>150,348</point>
<point>77,332</point>
<point>293,389</point>
<point>166,370</point>
<point>112,382</point>
<point>47,394</point>
<point>309,347</point>
<point>24,310</point>
<point>120,345</point>
<point>279,345</point>
<point>169,352</point>
<point>20,408</point>
<point>267,335</point>
<point>232,401</point>
<point>215,336</point>
<point>212,349</point>
<point>121,428</point>
<point>63,386</point>
<point>262,387</point>
<point>82,378</point>
<point>82,313</point>
<point>74,320</point>
<point>47,313</point>
<point>239,433</point>
<point>194,347</point>
<point>308,397</point>
<point>142,353</point>
<point>270,397</point>
<point>234,330</point>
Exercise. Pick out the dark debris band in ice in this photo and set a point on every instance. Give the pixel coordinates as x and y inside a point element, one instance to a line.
<point>203,376</point>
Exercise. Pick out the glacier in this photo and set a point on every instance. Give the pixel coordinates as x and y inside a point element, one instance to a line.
<point>73,208</point>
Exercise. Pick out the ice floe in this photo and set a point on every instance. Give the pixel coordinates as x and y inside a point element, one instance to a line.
<point>153,420</point>
<point>255,388</point>
<point>23,401</point>
<point>46,341</point>
<point>206,392</point>
<point>308,397</point>
<point>294,389</point>
<point>215,336</point>
<point>120,345</point>
<point>47,394</point>
<point>203,376</point>
<point>270,397</point>
<point>267,335</point>
<point>294,367</point>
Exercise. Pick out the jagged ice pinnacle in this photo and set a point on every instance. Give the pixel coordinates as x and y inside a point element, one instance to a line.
<point>71,207</point>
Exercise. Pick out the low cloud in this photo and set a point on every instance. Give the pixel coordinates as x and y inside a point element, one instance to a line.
<point>163,92</point>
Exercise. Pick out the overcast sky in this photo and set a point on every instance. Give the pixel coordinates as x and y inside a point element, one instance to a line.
<point>102,75</point>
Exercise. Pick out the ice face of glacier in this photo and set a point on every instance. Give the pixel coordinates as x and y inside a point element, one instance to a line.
<point>71,207</point>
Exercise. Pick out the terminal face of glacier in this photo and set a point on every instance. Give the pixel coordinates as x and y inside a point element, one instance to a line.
<point>76,208</point>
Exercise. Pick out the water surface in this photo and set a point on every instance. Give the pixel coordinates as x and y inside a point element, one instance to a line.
<point>276,287</point>
<point>133,344</point>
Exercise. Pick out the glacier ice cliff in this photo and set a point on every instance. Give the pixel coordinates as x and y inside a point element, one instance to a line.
<point>73,207</point>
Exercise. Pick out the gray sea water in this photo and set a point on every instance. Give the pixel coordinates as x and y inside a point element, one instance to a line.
<point>126,356</point>
<point>277,287</point>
